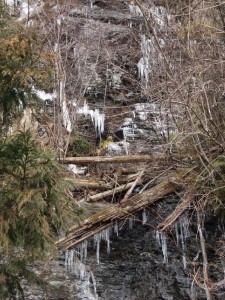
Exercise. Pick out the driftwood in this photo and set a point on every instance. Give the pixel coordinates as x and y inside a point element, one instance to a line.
<point>104,218</point>
<point>112,159</point>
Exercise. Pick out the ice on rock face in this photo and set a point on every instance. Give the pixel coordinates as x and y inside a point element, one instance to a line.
<point>104,235</point>
<point>164,248</point>
<point>116,229</point>
<point>92,277</point>
<point>182,233</point>
<point>162,241</point>
<point>160,16</point>
<point>144,217</point>
<point>131,222</point>
<point>69,260</point>
<point>135,10</point>
<point>97,118</point>
<point>83,250</point>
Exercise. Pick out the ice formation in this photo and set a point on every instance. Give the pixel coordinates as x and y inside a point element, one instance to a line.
<point>97,118</point>
<point>98,237</point>
<point>143,110</point>
<point>69,260</point>
<point>135,10</point>
<point>130,129</point>
<point>150,57</point>
<point>182,233</point>
<point>116,229</point>
<point>160,16</point>
<point>162,241</point>
<point>131,222</point>
<point>144,217</point>
<point>43,95</point>
<point>83,250</point>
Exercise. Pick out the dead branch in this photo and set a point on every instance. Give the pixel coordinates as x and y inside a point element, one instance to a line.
<point>180,208</point>
<point>205,259</point>
<point>132,187</point>
<point>105,194</point>
<point>119,211</point>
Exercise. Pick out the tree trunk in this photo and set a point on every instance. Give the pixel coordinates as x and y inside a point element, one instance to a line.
<point>112,159</point>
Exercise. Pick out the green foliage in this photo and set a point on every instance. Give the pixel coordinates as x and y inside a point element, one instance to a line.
<point>78,145</point>
<point>22,63</point>
<point>35,204</point>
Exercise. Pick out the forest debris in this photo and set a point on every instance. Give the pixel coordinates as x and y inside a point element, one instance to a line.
<point>105,217</point>
<point>105,194</point>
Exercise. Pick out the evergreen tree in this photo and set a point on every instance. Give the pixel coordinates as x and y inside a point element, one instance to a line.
<point>35,206</point>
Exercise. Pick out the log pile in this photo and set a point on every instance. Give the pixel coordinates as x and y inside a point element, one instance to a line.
<point>153,188</point>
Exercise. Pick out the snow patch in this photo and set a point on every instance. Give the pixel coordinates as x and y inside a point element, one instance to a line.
<point>43,95</point>
<point>76,169</point>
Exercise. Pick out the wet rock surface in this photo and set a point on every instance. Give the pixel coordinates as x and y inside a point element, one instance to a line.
<point>136,267</point>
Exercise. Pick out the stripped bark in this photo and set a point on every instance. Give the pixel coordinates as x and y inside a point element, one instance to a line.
<point>105,217</point>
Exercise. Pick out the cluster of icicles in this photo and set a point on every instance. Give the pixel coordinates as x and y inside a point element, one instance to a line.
<point>80,253</point>
<point>97,118</point>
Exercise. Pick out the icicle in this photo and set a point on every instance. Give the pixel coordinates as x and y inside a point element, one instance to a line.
<point>164,248</point>
<point>177,234</point>
<point>131,222</point>
<point>144,217</point>
<point>93,282</point>
<point>69,260</point>
<point>83,250</point>
<point>158,237</point>
<point>116,229</point>
<point>104,235</point>
<point>91,4</point>
<point>80,269</point>
<point>97,118</point>
<point>162,241</point>
<point>184,261</point>
<point>182,233</point>
<point>97,241</point>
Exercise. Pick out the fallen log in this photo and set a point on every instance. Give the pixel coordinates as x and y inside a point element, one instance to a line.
<point>90,183</point>
<point>104,218</point>
<point>112,159</point>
